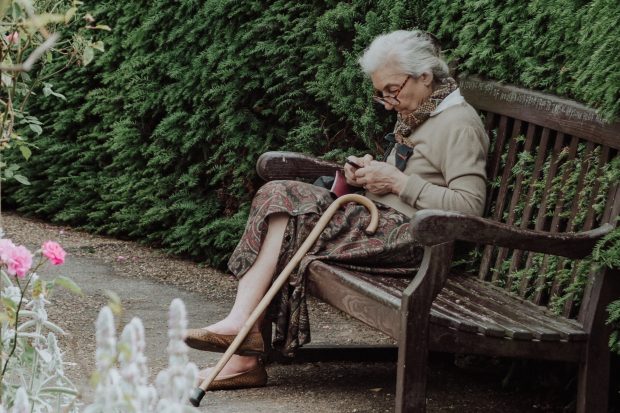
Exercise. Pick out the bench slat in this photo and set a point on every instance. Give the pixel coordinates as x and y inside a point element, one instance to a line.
<point>547,326</point>
<point>541,216</point>
<point>489,313</point>
<point>529,206</point>
<point>517,195</point>
<point>463,320</point>
<point>570,329</point>
<point>613,204</point>
<point>465,304</point>
<point>603,157</point>
<point>501,200</point>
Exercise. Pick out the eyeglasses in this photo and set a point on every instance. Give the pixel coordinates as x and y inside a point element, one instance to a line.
<point>390,100</point>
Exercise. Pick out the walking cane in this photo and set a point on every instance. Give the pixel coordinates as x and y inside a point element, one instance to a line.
<point>199,392</point>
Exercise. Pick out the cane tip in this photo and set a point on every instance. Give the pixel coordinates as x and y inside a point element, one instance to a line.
<point>196,396</point>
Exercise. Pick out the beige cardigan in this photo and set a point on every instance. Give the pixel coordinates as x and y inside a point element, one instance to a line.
<point>447,168</point>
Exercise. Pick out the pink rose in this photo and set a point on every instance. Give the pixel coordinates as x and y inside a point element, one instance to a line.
<point>54,252</point>
<point>6,245</point>
<point>19,261</point>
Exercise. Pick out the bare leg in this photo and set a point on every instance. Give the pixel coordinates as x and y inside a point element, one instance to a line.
<point>252,287</point>
<point>256,281</point>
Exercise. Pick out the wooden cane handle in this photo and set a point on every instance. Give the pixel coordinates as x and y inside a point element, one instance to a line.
<point>370,206</point>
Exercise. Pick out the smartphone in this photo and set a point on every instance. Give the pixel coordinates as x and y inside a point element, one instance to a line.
<point>353,164</point>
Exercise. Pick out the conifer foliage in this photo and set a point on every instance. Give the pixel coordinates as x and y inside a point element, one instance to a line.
<point>158,139</point>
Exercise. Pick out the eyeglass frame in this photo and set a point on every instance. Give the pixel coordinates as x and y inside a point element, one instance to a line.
<point>382,99</point>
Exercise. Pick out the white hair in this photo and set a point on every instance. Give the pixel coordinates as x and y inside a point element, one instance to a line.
<point>414,52</point>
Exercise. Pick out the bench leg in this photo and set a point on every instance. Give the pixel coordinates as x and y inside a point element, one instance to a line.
<point>411,372</point>
<point>594,369</point>
<point>593,385</point>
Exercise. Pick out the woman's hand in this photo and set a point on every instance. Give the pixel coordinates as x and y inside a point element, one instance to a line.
<point>380,178</point>
<point>349,170</point>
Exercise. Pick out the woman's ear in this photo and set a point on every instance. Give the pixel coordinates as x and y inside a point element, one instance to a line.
<point>427,78</point>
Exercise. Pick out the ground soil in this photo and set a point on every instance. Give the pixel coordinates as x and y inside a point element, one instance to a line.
<point>147,280</point>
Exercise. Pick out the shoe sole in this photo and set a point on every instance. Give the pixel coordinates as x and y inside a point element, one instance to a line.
<point>246,380</point>
<point>201,345</point>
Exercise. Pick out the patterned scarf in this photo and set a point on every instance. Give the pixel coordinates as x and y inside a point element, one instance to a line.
<point>405,125</point>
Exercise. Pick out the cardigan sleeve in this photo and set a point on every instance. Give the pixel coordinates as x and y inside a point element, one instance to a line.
<point>461,157</point>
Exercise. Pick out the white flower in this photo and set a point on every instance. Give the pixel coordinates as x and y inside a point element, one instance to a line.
<point>106,340</point>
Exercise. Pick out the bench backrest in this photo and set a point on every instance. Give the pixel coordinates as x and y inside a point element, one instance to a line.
<point>551,167</point>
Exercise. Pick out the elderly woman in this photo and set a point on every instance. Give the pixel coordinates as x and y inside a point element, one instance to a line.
<point>436,160</point>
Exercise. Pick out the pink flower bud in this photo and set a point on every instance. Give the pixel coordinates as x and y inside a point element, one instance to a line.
<point>6,245</point>
<point>54,252</point>
<point>12,38</point>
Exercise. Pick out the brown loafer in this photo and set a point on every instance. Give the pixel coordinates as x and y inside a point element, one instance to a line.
<point>257,377</point>
<point>203,339</point>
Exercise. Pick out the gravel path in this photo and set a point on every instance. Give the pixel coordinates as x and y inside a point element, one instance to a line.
<point>147,280</point>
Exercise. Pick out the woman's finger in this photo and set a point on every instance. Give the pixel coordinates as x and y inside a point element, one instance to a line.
<point>367,159</point>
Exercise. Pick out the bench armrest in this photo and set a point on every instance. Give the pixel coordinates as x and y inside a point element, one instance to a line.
<point>292,165</point>
<point>432,227</point>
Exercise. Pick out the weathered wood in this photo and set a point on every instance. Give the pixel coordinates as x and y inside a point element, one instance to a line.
<point>568,329</point>
<point>291,165</point>
<point>529,207</point>
<point>585,168</point>
<point>603,157</point>
<point>434,226</point>
<point>445,339</point>
<point>504,191</point>
<point>461,313</point>
<point>593,382</point>
<point>413,340</point>
<point>365,302</point>
<point>612,208</point>
<point>542,109</point>
<point>493,173</point>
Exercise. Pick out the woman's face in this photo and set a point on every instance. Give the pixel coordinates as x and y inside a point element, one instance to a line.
<point>405,91</point>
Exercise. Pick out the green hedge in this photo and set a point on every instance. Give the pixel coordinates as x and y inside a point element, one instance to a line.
<point>158,139</point>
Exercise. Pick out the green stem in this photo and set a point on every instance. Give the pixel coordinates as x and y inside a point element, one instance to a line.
<point>19,306</point>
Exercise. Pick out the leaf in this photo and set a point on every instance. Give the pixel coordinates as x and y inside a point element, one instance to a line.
<point>38,288</point>
<point>114,303</point>
<point>7,80</point>
<point>103,27</point>
<point>4,317</point>
<point>98,46</point>
<point>68,284</point>
<point>26,152</point>
<point>9,303</point>
<point>88,56</point>
<point>43,19</point>
<point>53,327</point>
<point>59,390</point>
<point>36,128</point>
<point>70,14</point>
<point>21,179</point>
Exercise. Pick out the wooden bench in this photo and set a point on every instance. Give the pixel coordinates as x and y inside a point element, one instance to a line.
<point>525,297</point>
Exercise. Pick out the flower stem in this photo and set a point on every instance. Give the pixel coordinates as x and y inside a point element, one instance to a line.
<point>19,306</point>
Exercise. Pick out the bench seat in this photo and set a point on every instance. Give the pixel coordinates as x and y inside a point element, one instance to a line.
<point>466,304</point>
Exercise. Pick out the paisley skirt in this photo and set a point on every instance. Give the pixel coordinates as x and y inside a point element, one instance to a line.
<point>391,250</point>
